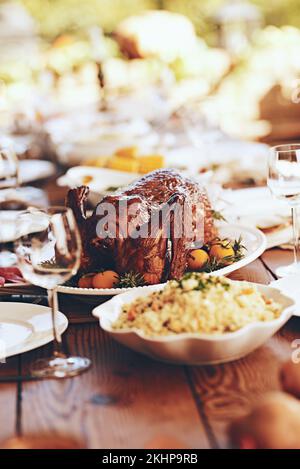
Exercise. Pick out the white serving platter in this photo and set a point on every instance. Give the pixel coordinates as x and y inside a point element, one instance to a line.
<point>252,238</point>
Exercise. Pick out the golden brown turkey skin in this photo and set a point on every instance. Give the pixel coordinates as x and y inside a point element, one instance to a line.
<point>171,211</point>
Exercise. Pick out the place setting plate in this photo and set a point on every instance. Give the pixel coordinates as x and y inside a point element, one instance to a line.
<point>25,327</point>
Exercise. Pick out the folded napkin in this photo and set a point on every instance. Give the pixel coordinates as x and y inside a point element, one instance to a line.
<point>290,286</point>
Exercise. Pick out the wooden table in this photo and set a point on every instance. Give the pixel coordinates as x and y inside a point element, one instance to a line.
<point>127,400</point>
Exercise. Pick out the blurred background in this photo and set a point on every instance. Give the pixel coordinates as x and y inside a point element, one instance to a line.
<point>99,92</point>
<point>150,64</point>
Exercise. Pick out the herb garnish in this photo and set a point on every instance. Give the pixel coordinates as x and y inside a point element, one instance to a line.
<point>131,279</point>
<point>203,281</point>
<point>213,263</point>
<point>216,215</point>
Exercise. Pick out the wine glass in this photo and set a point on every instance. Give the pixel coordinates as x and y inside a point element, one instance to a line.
<point>9,169</point>
<point>7,235</point>
<point>48,252</point>
<point>284,183</point>
<point>201,132</point>
<point>10,192</point>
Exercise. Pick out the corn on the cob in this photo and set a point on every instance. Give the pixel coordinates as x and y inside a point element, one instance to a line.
<point>148,163</point>
<point>123,164</point>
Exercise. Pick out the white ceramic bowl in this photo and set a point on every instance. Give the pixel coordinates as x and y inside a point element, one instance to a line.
<point>193,348</point>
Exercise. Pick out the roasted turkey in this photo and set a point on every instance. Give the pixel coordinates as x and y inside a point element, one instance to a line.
<point>147,228</point>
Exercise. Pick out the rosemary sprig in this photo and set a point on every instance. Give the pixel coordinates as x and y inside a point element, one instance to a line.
<point>131,279</point>
<point>213,263</point>
<point>238,248</point>
<point>49,264</point>
<point>216,264</point>
<point>217,215</point>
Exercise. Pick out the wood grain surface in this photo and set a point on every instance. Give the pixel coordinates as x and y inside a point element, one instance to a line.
<point>124,401</point>
<point>9,399</point>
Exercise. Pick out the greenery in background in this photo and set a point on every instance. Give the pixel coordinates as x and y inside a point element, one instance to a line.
<point>200,12</point>
<point>280,12</point>
<point>57,16</point>
<point>276,12</point>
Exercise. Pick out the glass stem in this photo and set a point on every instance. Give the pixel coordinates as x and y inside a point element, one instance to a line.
<point>18,183</point>
<point>295,233</point>
<point>57,342</point>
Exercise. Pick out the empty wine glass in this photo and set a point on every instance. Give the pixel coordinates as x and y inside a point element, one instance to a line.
<point>48,251</point>
<point>284,183</point>
<point>9,169</point>
<point>201,133</point>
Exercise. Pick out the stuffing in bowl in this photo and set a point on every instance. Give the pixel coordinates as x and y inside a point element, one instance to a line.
<point>200,319</point>
<point>198,303</point>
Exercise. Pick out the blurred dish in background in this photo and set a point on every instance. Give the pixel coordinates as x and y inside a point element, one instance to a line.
<point>99,180</point>
<point>256,207</point>
<point>28,142</point>
<point>227,161</point>
<point>21,198</point>
<point>9,168</point>
<point>33,170</point>
<point>129,159</point>
<point>93,135</point>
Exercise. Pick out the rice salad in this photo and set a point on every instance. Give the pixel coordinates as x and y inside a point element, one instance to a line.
<point>198,303</point>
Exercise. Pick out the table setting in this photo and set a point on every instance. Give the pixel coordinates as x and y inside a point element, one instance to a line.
<point>238,222</point>
<point>29,262</point>
<point>149,250</point>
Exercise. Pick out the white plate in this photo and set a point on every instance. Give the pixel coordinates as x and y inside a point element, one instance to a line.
<point>256,207</point>
<point>193,348</point>
<point>27,194</point>
<point>25,326</point>
<point>103,179</point>
<point>33,170</point>
<point>98,291</point>
<point>16,285</point>
<point>252,238</point>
